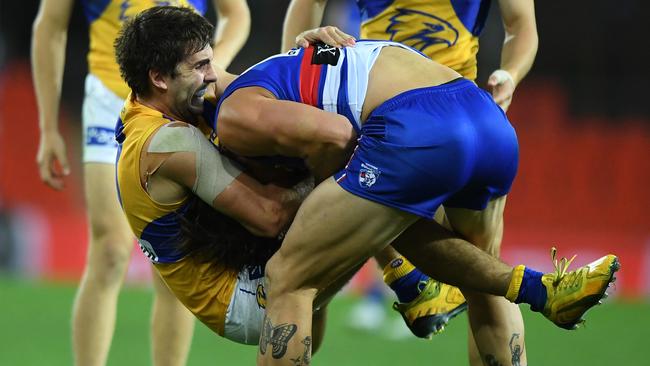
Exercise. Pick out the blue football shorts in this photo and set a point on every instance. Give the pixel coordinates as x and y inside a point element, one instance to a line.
<point>446,145</point>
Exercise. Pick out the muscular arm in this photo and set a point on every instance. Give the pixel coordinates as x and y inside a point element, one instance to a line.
<point>519,47</point>
<point>49,38</point>
<point>253,123</point>
<point>520,43</point>
<point>301,15</point>
<point>233,28</point>
<point>264,210</point>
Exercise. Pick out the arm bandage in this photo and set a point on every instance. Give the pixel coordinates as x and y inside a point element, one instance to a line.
<point>214,172</point>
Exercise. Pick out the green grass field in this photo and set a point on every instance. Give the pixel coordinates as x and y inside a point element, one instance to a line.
<point>34,330</point>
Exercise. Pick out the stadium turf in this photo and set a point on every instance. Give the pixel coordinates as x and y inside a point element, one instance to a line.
<point>34,330</point>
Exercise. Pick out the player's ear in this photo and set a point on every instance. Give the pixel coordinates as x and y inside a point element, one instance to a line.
<point>157,79</point>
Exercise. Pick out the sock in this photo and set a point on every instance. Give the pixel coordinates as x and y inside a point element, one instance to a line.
<point>526,287</point>
<point>404,279</point>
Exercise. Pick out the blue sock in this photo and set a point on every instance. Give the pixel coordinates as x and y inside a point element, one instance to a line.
<point>532,291</point>
<point>407,287</point>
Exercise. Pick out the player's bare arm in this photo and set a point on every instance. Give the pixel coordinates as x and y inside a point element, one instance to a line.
<point>253,123</point>
<point>301,15</point>
<point>519,49</point>
<point>49,38</point>
<point>197,166</point>
<point>300,26</point>
<point>233,28</point>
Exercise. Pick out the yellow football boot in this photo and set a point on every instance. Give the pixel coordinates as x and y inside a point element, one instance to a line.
<point>430,312</point>
<point>571,294</point>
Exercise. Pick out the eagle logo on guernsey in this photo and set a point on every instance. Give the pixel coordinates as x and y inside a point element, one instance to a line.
<point>368,175</point>
<point>261,296</point>
<point>421,30</point>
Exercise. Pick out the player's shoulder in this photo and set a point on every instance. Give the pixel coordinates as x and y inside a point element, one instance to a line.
<point>174,136</point>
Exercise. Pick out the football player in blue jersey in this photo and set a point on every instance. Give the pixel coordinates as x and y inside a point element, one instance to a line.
<point>448,32</point>
<point>408,161</point>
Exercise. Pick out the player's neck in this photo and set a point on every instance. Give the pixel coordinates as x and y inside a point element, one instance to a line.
<point>224,79</point>
<point>164,108</point>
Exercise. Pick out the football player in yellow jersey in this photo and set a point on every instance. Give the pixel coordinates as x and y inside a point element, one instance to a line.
<point>111,241</point>
<point>447,31</point>
<point>191,207</point>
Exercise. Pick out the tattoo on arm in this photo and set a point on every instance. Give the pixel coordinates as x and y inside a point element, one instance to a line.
<point>516,350</point>
<point>276,336</point>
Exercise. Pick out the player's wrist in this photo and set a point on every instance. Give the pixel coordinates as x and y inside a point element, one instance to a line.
<point>502,76</point>
<point>48,126</point>
<point>49,133</point>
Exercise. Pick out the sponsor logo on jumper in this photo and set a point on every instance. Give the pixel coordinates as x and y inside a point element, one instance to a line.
<point>100,136</point>
<point>147,250</point>
<point>324,54</point>
<point>329,49</point>
<point>261,296</point>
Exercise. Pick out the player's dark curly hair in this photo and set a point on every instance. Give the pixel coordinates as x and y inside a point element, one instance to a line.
<point>159,38</point>
<point>209,236</point>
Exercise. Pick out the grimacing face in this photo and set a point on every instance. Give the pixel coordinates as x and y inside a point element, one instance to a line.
<point>187,88</point>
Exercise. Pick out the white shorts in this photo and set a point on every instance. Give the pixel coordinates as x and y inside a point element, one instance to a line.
<point>100,112</point>
<point>246,310</point>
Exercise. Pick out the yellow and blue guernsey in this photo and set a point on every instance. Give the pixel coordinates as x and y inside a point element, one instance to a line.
<point>445,30</point>
<point>105,19</point>
<point>204,289</point>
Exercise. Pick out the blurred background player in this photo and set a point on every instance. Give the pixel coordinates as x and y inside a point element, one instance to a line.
<point>447,32</point>
<point>111,241</point>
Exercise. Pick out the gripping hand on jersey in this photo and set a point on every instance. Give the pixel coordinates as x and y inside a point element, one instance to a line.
<point>330,35</point>
<point>501,86</point>
<point>52,161</point>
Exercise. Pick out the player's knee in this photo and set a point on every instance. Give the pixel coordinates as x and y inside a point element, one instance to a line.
<point>105,275</point>
<point>108,258</point>
<point>280,277</point>
<point>274,273</point>
<point>109,226</point>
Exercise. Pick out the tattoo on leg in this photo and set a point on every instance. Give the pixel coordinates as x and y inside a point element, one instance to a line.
<point>306,356</point>
<point>277,336</point>
<point>490,360</point>
<point>516,350</point>
<point>305,359</point>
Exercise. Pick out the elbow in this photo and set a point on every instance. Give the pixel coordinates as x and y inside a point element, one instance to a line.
<point>346,136</point>
<point>339,138</point>
<point>341,147</point>
<point>40,29</point>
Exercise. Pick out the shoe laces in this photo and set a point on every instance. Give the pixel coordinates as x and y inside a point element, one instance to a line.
<point>561,267</point>
<point>422,285</point>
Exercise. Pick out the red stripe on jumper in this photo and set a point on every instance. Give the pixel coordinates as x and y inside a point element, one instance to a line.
<point>309,78</point>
